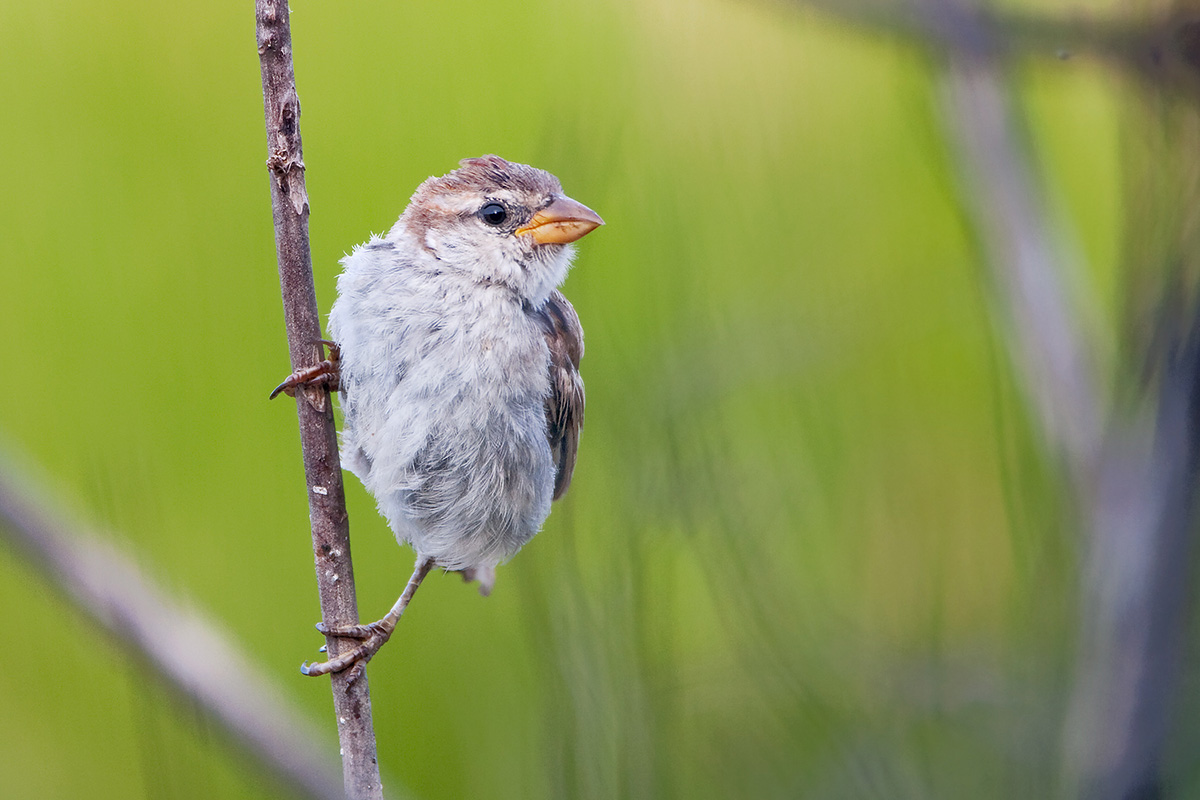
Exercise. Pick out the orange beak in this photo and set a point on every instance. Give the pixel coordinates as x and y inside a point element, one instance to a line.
<point>562,221</point>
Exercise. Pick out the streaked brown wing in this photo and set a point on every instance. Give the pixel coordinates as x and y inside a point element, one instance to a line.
<point>564,406</point>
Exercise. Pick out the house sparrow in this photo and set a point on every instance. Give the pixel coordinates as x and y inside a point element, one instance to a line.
<point>457,362</point>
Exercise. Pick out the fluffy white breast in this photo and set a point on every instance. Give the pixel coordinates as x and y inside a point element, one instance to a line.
<point>443,375</point>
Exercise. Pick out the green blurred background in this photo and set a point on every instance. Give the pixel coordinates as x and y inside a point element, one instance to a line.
<point>813,547</point>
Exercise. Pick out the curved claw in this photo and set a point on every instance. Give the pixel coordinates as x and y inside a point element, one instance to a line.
<point>280,388</point>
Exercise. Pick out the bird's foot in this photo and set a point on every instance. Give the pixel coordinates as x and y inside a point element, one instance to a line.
<point>371,637</point>
<point>326,372</point>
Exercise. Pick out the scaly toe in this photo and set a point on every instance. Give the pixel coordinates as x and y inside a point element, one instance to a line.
<point>372,637</point>
<point>359,655</point>
<point>360,632</point>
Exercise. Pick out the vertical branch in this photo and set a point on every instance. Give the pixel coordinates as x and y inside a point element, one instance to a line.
<point>318,438</point>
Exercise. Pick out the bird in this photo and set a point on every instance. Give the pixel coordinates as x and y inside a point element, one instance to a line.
<point>456,363</point>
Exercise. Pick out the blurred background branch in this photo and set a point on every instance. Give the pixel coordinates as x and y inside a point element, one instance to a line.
<point>175,645</point>
<point>1037,307</point>
<point>1133,478</point>
<point>1133,471</point>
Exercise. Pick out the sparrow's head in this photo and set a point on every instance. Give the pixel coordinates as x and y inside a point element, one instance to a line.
<point>501,223</point>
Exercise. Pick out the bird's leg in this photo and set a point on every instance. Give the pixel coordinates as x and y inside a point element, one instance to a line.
<point>372,636</point>
<point>325,373</point>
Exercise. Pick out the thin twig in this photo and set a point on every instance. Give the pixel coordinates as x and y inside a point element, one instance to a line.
<point>318,438</point>
<point>183,649</point>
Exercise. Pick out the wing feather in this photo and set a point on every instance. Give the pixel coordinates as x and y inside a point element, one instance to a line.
<point>564,406</point>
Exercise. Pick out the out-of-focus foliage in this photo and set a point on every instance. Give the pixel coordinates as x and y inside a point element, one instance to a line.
<point>812,547</point>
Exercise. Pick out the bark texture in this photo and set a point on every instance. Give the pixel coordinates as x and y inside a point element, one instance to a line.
<point>318,437</point>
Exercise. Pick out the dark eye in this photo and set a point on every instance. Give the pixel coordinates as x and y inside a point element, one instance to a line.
<point>493,214</point>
